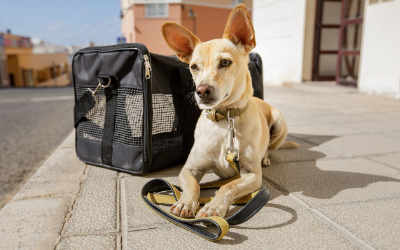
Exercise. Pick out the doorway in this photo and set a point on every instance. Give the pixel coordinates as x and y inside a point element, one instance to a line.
<point>337,40</point>
<point>348,62</point>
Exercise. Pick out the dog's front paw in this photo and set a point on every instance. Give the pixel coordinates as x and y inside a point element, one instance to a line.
<point>184,209</point>
<point>212,210</point>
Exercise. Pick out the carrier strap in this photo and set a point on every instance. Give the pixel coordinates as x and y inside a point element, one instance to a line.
<point>109,124</point>
<point>253,203</point>
<point>82,106</point>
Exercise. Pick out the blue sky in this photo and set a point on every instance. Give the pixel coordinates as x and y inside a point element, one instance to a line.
<point>67,22</point>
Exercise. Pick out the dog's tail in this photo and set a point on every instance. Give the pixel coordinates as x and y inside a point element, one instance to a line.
<point>289,145</point>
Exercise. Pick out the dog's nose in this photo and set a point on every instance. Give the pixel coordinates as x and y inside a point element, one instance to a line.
<point>203,91</point>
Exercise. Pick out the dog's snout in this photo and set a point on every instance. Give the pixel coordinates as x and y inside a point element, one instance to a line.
<point>203,91</point>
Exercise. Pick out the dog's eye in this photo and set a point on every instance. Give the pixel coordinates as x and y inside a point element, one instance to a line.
<point>225,63</point>
<point>194,67</point>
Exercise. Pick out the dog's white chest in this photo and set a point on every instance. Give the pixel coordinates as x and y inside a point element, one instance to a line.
<point>214,139</point>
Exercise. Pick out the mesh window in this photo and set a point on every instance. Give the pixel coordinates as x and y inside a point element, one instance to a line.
<point>166,132</point>
<point>128,117</point>
<point>93,126</point>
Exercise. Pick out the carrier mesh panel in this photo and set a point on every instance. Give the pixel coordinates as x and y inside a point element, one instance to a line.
<point>93,126</point>
<point>166,133</point>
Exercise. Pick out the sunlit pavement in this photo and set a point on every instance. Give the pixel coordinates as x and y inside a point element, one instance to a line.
<point>339,190</point>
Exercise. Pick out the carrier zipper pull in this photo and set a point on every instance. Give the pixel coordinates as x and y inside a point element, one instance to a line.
<point>147,65</point>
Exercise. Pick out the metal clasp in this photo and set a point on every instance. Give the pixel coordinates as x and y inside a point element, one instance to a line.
<point>99,86</point>
<point>231,127</point>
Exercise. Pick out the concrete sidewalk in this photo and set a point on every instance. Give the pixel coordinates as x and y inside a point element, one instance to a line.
<point>339,190</point>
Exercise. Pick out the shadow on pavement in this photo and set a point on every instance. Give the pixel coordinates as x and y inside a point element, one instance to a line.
<point>296,170</point>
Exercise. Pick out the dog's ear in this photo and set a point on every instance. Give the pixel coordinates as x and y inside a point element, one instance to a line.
<point>180,40</point>
<point>239,28</point>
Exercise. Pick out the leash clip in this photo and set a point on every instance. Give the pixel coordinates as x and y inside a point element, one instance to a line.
<point>231,127</point>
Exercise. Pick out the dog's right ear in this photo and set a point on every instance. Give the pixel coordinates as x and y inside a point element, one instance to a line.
<point>180,40</point>
<point>239,29</point>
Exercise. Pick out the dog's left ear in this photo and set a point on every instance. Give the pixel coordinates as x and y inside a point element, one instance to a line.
<point>239,28</point>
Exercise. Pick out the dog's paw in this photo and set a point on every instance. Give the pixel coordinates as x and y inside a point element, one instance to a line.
<point>265,162</point>
<point>211,210</point>
<point>184,209</point>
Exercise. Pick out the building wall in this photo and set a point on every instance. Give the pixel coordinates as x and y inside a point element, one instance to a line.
<point>210,21</point>
<point>309,30</point>
<point>128,25</point>
<point>279,27</point>
<point>217,3</point>
<point>380,52</point>
<point>39,61</point>
<point>148,30</point>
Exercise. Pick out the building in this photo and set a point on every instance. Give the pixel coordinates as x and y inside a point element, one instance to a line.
<point>20,67</point>
<point>142,19</point>
<point>352,42</point>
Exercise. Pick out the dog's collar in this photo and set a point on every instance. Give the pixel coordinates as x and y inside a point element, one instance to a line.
<point>219,114</point>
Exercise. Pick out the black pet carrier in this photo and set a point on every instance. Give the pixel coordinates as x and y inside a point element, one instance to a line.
<point>133,111</point>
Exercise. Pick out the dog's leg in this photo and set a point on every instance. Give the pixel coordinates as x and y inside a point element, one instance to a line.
<point>188,204</point>
<point>249,182</point>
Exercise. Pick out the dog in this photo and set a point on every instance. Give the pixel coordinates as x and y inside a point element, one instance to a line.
<point>220,71</point>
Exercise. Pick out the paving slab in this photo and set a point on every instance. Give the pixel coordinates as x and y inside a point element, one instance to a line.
<point>98,242</point>
<point>336,181</point>
<point>345,118</point>
<point>305,152</point>
<point>94,171</point>
<point>375,222</point>
<point>392,160</point>
<point>33,223</point>
<point>361,144</point>
<point>322,130</point>
<point>95,208</point>
<point>276,230</point>
<point>375,126</point>
<point>60,174</point>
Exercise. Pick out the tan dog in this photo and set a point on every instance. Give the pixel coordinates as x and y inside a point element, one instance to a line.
<point>220,70</point>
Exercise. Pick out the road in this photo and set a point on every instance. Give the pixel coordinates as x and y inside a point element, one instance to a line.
<point>33,122</point>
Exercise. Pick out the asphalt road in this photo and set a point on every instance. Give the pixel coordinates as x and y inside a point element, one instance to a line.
<point>33,122</point>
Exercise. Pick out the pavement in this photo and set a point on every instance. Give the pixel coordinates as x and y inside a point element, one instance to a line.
<point>339,190</point>
<point>33,124</point>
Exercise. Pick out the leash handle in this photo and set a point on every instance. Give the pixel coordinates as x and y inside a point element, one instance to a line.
<point>158,185</point>
<point>254,202</point>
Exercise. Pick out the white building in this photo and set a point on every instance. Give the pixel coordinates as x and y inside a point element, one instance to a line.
<point>353,42</point>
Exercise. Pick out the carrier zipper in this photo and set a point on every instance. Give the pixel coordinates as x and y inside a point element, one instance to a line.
<point>147,65</point>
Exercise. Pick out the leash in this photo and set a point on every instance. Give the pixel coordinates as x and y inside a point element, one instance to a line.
<point>253,202</point>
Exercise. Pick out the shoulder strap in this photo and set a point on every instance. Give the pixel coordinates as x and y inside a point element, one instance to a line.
<point>82,106</point>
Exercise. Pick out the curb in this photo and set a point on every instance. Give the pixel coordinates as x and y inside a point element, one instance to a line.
<point>35,217</point>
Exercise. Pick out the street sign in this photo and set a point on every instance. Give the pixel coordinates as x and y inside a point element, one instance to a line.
<point>1,40</point>
<point>121,40</point>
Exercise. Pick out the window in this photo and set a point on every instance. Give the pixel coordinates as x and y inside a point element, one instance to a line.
<point>156,10</point>
<point>236,2</point>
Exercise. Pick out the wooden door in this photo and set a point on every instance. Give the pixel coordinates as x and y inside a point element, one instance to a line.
<point>348,60</point>
<point>326,37</point>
